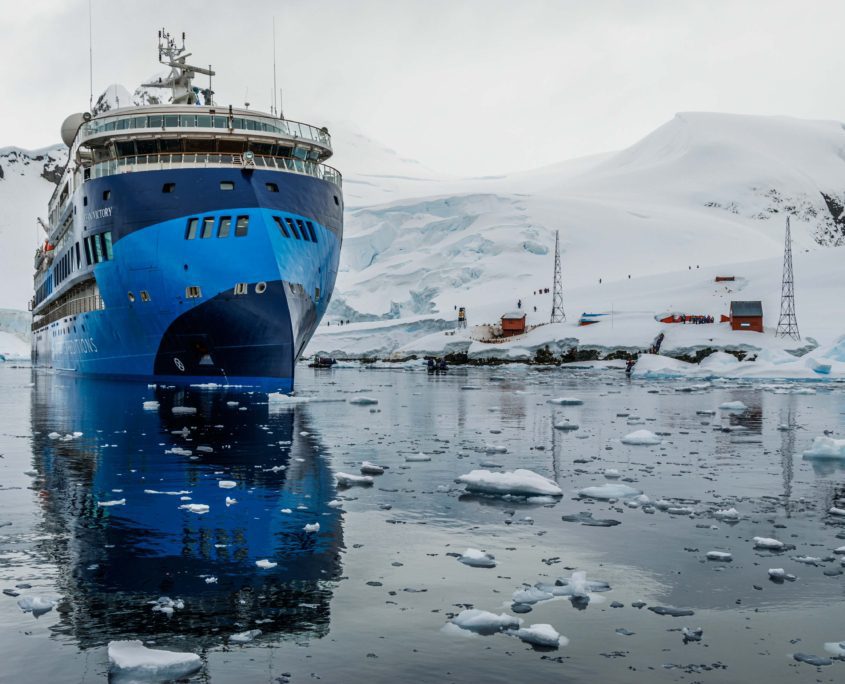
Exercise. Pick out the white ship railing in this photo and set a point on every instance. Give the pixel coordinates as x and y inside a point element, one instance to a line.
<point>151,162</point>
<point>73,307</point>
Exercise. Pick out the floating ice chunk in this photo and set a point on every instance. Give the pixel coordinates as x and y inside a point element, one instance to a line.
<point>839,551</point>
<point>719,556</point>
<point>611,474</point>
<point>566,425</point>
<point>833,510</point>
<point>609,490</point>
<point>519,482</point>
<point>566,401</point>
<point>807,560</point>
<point>211,579</point>
<point>727,514</point>
<point>671,611</point>
<point>641,438</point>
<point>184,410</point>
<point>679,510</point>
<point>732,406</point>
<point>227,484</point>
<point>826,447</point>
<point>540,635</point>
<point>836,648</point>
<point>417,458</point>
<point>692,634</point>
<point>478,559</point>
<point>810,659</point>
<point>230,501</point>
<point>178,451</point>
<point>335,503</point>
<point>151,406</point>
<point>133,660</point>
<point>768,543</point>
<point>286,510</point>
<point>484,622</point>
<point>279,398</point>
<point>368,468</point>
<point>777,574</point>
<point>532,595</point>
<point>199,509</point>
<point>363,401</point>
<point>166,605</point>
<point>265,564</point>
<point>37,605</point>
<point>577,585</point>
<point>349,480</point>
<point>312,527</point>
<point>155,491</point>
<point>495,449</point>
<point>114,502</point>
<point>245,637</point>
<point>54,435</point>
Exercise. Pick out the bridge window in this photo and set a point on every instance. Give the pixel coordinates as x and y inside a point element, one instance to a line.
<point>225,226</point>
<point>207,227</point>
<point>106,238</point>
<point>191,232</point>
<point>168,187</point>
<point>311,231</point>
<point>241,226</point>
<point>227,185</point>
<point>88,258</point>
<point>292,228</point>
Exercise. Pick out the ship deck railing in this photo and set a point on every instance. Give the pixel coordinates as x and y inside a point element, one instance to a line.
<point>79,305</point>
<point>149,162</point>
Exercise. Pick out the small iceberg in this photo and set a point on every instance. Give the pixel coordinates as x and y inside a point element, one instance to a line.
<point>519,482</point>
<point>768,543</point>
<point>484,622</point>
<point>733,406</point>
<point>131,660</point>
<point>566,401</point>
<point>542,635</point>
<point>826,447</point>
<point>478,559</point>
<point>349,480</point>
<point>609,490</point>
<point>641,438</point>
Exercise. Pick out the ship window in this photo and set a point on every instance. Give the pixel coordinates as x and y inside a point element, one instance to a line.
<point>241,226</point>
<point>336,201</point>
<point>220,122</point>
<point>260,288</point>
<point>188,120</point>
<point>227,185</point>
<point>225,226</point>
<point>84,201</point>
<point>281,225</point>
<point>207,227</point>
<point>121,124</point>
<point>241,288</point>
<point>145,296</point>
<point>106,194</point>
<point>131,297</point>
<point>146,146</point>
<point>300,152</point>
<point>98,249</point>
<point>302,231</point>
<point>155,120</point>
<point>292,228</point>
<point>78,257</point>
<point>171,120</point>
<point>317,294</point>
<point>311,231</point>
<point>170,145</point>
<point>168,187</point>
<point>191,233</point>
<point>193,292</point>
<point>272,187</point>
<point>88,259</point>
<point>203,121</point>
<point>139,122</point>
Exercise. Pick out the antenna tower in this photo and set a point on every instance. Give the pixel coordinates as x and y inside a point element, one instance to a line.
<point>558,316</point>
<point>787,323</point>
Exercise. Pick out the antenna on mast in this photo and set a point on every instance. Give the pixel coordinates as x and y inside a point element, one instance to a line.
<point>90,61</point>
<point>275,109</point>
<point>788,322</point>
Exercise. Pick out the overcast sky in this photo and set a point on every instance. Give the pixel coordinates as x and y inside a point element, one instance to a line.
<point>464,86</point>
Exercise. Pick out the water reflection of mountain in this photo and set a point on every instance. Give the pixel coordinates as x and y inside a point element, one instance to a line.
<point>112,560</point>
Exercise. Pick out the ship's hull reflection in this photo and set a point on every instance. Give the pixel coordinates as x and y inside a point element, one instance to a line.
<point>114,559</point>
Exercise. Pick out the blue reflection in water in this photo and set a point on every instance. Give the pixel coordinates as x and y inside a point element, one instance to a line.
<point>113,560</point>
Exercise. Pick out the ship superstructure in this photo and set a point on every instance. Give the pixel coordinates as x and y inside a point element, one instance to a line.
<point>187,241</point>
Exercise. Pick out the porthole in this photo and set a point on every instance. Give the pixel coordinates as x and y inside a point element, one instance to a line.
<point>145,296</point>
<point>260,288</point>
<point>106,194</point>
<point>227,185</point>
<point>131,297</point>
<point>336,200</point>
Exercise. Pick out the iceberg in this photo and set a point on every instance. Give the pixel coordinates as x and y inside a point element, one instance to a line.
<point>133,660</point>
<point>519,482</point>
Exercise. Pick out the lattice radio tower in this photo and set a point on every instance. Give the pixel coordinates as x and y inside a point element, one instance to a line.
<point>787,323</point>
<point>558,316</point>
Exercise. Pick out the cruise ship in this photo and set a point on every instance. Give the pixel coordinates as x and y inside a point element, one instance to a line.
<point>187,242</point>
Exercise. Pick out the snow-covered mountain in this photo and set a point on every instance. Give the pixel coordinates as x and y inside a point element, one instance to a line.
<point>700,192</point>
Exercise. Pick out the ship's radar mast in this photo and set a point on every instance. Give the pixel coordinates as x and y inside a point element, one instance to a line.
<point>181,74</point>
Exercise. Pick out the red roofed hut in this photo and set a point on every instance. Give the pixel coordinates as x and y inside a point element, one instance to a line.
<point>513,323</point>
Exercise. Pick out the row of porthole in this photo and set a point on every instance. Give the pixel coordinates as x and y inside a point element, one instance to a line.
<point>195,291</point>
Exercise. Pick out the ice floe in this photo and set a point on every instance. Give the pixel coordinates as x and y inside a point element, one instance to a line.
<point>245,637</point>
<point>349,480</point>
<point>417,458</point>
<point>609,490</point>
<point>719,556</point>
<point>227,484</point>
<point>37,605</point>
<point>641,438</point>
<point>265,564</point>
<point>150,406</point>
<point>826,447</point>
<point>368,468</point>
<point>113,502</point>
<point>311,527</point>
<point>732,406</point>
<point>478,559</point>
<point>363,401</point>
<point>134,660</point>
<point>484,622</point>
<point>768,543</point>
<point>519,482</point>
<point>566,401</point>
<point>183,410</point>
<point>199,509</point>
<point>542,635</point>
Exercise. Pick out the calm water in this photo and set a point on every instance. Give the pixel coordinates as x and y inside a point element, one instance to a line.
<point>365,599</point>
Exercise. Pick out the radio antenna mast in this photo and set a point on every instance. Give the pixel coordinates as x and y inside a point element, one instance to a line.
<point>275,108</point>
<point>90,61</point>
<point>558,316</point>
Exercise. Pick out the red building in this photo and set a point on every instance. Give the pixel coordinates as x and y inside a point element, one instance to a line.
<point>747,316</point>
<point>513,324</point>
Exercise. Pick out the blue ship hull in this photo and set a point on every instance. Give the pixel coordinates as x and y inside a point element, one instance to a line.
<point>262,294</point>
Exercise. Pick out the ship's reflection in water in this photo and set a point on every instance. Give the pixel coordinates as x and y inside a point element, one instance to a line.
<point>114,559</point>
